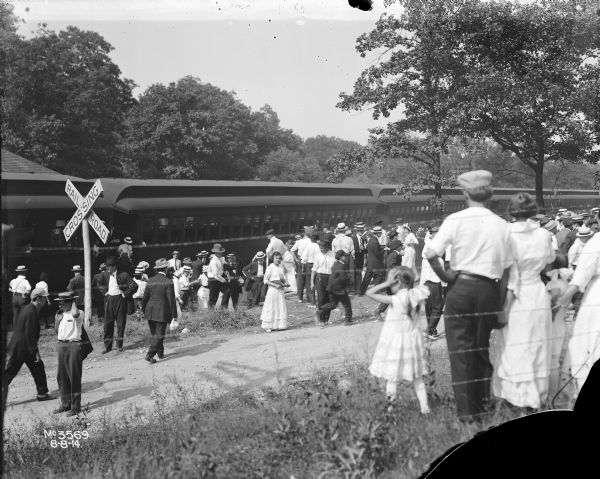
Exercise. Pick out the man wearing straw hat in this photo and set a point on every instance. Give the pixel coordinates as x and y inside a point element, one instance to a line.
<point>97,295</point>
<point>23,346</point>
<point>216,281</point>
<point>359,254</point>
<point>20,289</point>
<point>197,266</point>
<point>77,285</point>
<point>126,248</point>
<point>159,307</point>
<point>481,258</point>
<point>73,347</point>
<point>255,272</point>
<point>298,250</point>
<point>175,262</point>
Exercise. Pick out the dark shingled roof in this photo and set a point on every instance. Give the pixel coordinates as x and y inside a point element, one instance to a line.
<point>13,163</point>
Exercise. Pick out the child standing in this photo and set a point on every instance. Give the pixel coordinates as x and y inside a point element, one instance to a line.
<point>400,354</point>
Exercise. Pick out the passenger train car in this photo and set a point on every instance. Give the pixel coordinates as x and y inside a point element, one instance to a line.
<point>163,215</point>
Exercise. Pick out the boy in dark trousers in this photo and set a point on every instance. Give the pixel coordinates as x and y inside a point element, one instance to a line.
<point>337,287</point>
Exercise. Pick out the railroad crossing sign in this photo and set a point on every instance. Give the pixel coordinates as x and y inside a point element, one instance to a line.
<point>85,216</point>
<point>84,207</point>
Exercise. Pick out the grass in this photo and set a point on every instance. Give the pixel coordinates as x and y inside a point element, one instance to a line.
<point>329,425</point>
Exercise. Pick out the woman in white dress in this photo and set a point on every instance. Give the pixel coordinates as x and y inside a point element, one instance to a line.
<point>521,351</point>
<point>289,264</point>
<point>409,259</point>
<point>584,345</point>
<point>274,312</point>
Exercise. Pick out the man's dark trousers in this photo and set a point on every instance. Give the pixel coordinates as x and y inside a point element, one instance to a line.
<point>433,306</point>
<point>257,292</point>
<point>214,288</point>
<point>359,262</point>
<point>470,314</point>
<point>301,280</point>
<point>376,276</point>
<point>115,311</point>
<point>14,362</point>
<point>158,329</point>
<point>70,365</point>
<point>233,291</point>
<point>323,295</point>
<point>305,283</point>
<point>334,299</point>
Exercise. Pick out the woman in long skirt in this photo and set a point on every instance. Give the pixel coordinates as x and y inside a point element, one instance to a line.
<point>289,264</point>
<point>409,259</point>
<point>274,312</point>
<point>521,351</point>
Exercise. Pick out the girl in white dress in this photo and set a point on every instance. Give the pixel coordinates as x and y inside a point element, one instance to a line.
<point>584,345</point>
<point>203,291</point>
<point>521,352</point>
<point>274,312</point>
<point>400,354</point>
<point>289,264</point>
<point>409,259</point>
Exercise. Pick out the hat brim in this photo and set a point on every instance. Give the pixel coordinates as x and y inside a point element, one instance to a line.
<point>70,298</point>
<point>218,250</point>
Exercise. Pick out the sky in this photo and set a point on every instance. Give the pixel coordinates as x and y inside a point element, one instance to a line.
<point>296,56</point>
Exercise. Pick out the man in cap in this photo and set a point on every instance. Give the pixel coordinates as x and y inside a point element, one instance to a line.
<point>175,262</point>
<point>159,308</point>
<point>23,346</point>
<point>255,273</point>
<point>216,281</point>
<point>275,245</point>
<point>320,277</point>
<point>375,267</point>
<point>345,243</point>
<point>481,258</point>
<point>97,295</point>
<point>20,289</point>
<point>359,254</point>
<point>235,279</point>
<point>126,247</point>
<point>77,285</point>
<point>298,251</point>
<point>382,238</point>
<point>118,289</point>
<point>73,347</point>
<point>337,287</point>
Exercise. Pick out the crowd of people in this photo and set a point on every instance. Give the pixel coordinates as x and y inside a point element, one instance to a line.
<point>504,289</point>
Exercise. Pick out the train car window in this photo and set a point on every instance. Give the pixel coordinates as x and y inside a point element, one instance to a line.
<point>276,223</point>
<point>162,232</point>
<point>148,229</point>
<point>189,228</point>
<point>176,230</point>
<point>293,222</point>
<point>236,227</point>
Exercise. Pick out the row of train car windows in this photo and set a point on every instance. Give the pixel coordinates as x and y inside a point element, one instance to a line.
<point>207,228</point>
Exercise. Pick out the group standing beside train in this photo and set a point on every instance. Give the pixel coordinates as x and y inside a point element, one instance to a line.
<point>502,289</point>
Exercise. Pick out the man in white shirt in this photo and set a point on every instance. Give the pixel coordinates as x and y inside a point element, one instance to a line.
<point>435,301</point>
<point>275,245</point>
<point>478,274</point>
<point>298,251</point>
<point>20,289</point>
<point>343,242</point>
<point>308,258</point>
<point>583,236</point>
<point>175,262</point>
<point>320,277</point>
<point>216,281</point>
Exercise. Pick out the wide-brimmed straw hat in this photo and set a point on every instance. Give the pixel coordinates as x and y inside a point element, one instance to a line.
<point>202,253</point>
<point>77,269</point>
<point>377,229</point>
<point>584,232</point>
<point>66,296</point>
<point>259,255</point>
<point>187,261</point>
<point>550,225</point>
<point>360,226</point>
<point>217,248</point>
<point>341,228</point>
<point>128,240</point>
<point>161,263</point>
<point>21,269</point>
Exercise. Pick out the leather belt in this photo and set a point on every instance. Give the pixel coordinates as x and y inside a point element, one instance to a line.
<point>479,277</point>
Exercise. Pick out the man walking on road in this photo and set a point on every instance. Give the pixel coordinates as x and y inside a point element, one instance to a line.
<point>375,267</point>
<point>159,308</point>
<point>23,346</point>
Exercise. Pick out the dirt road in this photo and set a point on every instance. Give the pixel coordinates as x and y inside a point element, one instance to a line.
<point>213,365</point>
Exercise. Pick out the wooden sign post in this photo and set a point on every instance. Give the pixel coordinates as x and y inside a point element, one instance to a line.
<point>85,217</point>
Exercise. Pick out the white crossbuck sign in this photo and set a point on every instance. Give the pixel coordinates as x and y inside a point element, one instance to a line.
<point>84,208</point>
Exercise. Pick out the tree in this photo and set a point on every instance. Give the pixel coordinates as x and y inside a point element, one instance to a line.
<point>323,148</point>
<point>64,101</point>
<point>293,166</point>
<point>532,74</point>
<point>524,75</point>
<point>191,129</point>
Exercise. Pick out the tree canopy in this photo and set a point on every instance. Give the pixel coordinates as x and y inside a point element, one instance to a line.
<point>525,75</point>
<point>64,100</point>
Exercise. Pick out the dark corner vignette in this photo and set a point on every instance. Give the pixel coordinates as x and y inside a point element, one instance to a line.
<point>364,5</point>
<point>556,443</point>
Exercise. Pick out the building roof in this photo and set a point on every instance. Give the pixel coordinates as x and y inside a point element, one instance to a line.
<point>13,163</point>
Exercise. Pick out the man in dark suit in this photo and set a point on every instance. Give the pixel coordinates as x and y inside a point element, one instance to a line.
<point>375,268</point>
<point>337,287</point>
<point>23,346</point>
<point>359,254</point>
<point>118,288</point>
<point>97,295</point>
<point>159,308</point>
<point>255,272</point>
<point>77,286</point>
<point>233,274</point>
